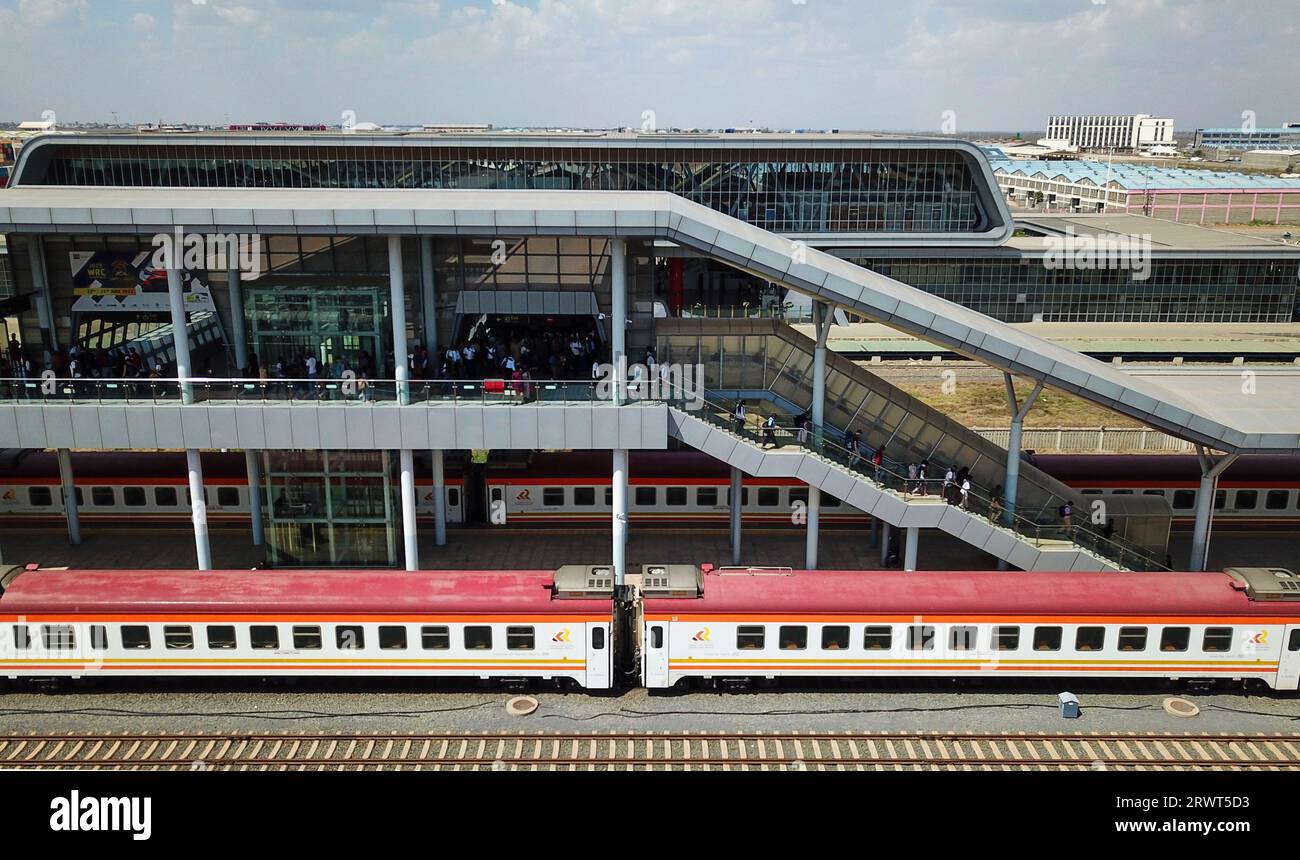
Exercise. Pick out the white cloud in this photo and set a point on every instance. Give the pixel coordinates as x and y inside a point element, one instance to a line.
<point>144,22</point>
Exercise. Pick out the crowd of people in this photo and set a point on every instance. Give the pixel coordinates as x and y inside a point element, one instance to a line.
<point>78,362</point>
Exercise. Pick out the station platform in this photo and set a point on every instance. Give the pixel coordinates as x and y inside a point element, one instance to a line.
<point>1266,342</point>
<point>486,549</point>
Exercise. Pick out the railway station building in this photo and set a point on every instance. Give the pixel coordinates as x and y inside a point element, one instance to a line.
<point>317,283</point>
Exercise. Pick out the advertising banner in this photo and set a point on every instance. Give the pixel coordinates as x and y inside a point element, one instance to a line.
<point>114,281</point>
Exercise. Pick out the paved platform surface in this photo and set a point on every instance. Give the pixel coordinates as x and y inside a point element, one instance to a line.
<point>488,549</point>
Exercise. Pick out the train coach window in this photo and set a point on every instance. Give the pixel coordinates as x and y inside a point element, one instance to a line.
<point>228,497</point>
<point>520,638</point>
<point>1184,500</point>
<point>349,637</point>
<point>1293,643</point>
<point>39,497</point>
<point>453,497</point>
<point>751,638</point>
<point>98,637</point>
<point>102,497</point>
<point>657,636</point>
<point>1247,500</point>
<point>1160,493</point>
<point>1217,639</point>
<point>435,638</point>
<point>306,637</point>
<point>584,496</point>
<point>878,638</point>
<point>264,636</point>
<point>920,637</point>
<point>22,637</point>
<point>1132,639</point>
<point>392,637</point>
<point>598,638</point>
<point>478,638</point>
<point>675,496</point>
<point>829,501</point>
<point>221,637</point>
<point>769,497</point>
<point>164,497</point>
<point>178,637</point>
<point>799,494</point>
<point>1220,499</point>
<point>646,496</point>
<point>1047,639</point>
<point>135,636</point>
<point>793,638</point>
<point>58,637</point>
<point>835,637</point>
<point>80,499</point>
<point>133,497</point>
<point>706,497</point>
<point>1276,500</point>
<point>553,496</point>
<point>1175,638</point>
<point>1006,638</point>
<point>609,497</point>
<point>962,638</point>
<point>1090,639</point>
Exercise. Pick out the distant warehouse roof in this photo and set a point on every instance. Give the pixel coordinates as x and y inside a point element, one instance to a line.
<point>1139,178</point>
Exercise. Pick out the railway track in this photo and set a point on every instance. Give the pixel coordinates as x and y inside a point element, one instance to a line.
<point>649,751</point>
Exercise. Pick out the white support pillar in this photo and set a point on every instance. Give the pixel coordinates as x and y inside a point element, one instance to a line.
<point>44,302</point>
<point>1210,472</point>
<point>180,333</point>
<point>1018,413</point>
<point>885,531</point>
<point>410,549</point>
<point>198,508</point>
<point>909,550</point>
<point>735,498</point>
<point>397,307</point>
<point>822,317</point>
<point>429,300</point>
<point>69,496</point>
<point>620,515</point>
<point>439,500</point>
<point>237,329</point>
<point>254,474</point>
<point>814,521</point>
<point>618,315</point>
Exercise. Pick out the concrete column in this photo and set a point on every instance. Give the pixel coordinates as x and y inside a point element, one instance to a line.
<point>69,497</point>
<point>909,549</point>
<point>198,508</point>
<point>884,543</point>
<point>411,550</point>
<point>620,515</point>
<point>814,520</point>
<point>237,330</point>
<point>439,500</point>
<point>874,540</point>
<point>822,317</point>
<point>1018,414</point>
<point>737,494</point>
<point>618,315</point>
<point>44,302</point>
<point>180,333</point>
<point>429,299</point>
<point>398,310</point>
<point>254,473</point>
<point>1210,472</point>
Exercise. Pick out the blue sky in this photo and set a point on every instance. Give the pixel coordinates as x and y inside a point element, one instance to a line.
<point>996,64</point>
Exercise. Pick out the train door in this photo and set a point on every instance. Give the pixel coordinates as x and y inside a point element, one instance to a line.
<point>1288,667</point>
<point>496,505</point>
<point>599,663</point>
<point>654,662</point>
<point>455,514</point>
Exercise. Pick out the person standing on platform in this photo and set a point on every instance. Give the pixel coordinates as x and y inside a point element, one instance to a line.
<point>739,416</point>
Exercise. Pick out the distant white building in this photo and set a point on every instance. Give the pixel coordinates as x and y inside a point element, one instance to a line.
<point>1112,131</point>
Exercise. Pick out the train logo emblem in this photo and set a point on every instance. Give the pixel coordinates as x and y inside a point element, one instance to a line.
<point>562,636</point>
<point>701,635</point>
<point>522,497</point>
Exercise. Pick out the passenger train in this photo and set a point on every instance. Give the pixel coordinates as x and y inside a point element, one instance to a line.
<point>671,625</point>
<point>674,488</point>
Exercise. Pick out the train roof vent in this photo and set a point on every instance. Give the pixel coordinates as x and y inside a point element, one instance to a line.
<point>584,580</point>
<point>672,580</point>
<point>1267,583</point>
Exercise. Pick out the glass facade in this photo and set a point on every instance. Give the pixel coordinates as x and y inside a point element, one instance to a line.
<point>329,508</point>
<point>336,324</point>
<point>1014,289</point>
<point>856,189</point>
